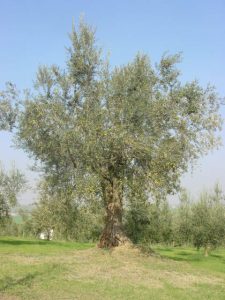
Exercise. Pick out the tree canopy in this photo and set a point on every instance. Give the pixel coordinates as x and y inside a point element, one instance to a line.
<point>11,183</point>
<point>135,128</point>
<point>208,220</point>
<point>9,107</point>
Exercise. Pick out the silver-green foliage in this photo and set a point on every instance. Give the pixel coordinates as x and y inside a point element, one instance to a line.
<point>11,183</point>
<point>208,219</point>
<point>9,107</point>
<point>132,126</point>
<point>129,121</point>
<point>149,222</point>
<point>182,220</point>
<point>71,214</point>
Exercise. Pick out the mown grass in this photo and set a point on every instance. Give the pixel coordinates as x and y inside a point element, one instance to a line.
<point>214,263</point>
<point>31,269</point>
<point>38,247</point>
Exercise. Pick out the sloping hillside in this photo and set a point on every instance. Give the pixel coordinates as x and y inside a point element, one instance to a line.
<point>55,270</point>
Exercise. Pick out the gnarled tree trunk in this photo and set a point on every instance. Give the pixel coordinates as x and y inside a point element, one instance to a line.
<point>113,234</point>
<point>206,250</point>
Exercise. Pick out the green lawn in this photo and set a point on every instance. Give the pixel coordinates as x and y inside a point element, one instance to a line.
<point>214,263</point>
<point>32,269</point>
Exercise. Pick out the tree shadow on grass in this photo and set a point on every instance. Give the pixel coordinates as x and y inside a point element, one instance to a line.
<point>183,253</point>
<point>9,282</point>
<point>19,242</point>
<point>217,256</point>
<point>198,257</point>
<point>165,249</point>
<point>66,245</point>
<point>184,256</point>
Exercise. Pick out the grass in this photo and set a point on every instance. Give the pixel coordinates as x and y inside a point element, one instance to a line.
<point>38,247</point>
<point>214,263</point>
<point>32,269</point>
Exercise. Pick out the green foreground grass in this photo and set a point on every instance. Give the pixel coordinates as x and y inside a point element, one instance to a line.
<point>32,269</point>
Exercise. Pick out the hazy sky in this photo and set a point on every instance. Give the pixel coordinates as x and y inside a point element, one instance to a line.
<point>36,32</point>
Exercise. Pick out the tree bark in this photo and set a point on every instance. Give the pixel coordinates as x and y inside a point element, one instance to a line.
<point>206,251</point>
<point>113,235</point>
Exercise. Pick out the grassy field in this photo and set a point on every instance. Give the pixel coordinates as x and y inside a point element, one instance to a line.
<point>32,269</point>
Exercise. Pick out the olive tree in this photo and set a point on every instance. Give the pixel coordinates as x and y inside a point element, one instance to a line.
<point>132,126</point>
<point>11,183</point>
<point>208,220</point>
<point>182,219</point>
<point>9,106</point>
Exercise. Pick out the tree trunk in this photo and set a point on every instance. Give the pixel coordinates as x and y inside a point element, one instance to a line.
<point>48,235</point>
<point>206,251</point>
<point>112,235</point>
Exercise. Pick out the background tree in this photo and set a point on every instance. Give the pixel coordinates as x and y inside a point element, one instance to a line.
<point>149,221</point>
<point>74,214</point>
<point>208,220</point>
<point>182,220</point>
<point>11,183</point>
<point>9,107</point>
<point>128,126</point>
